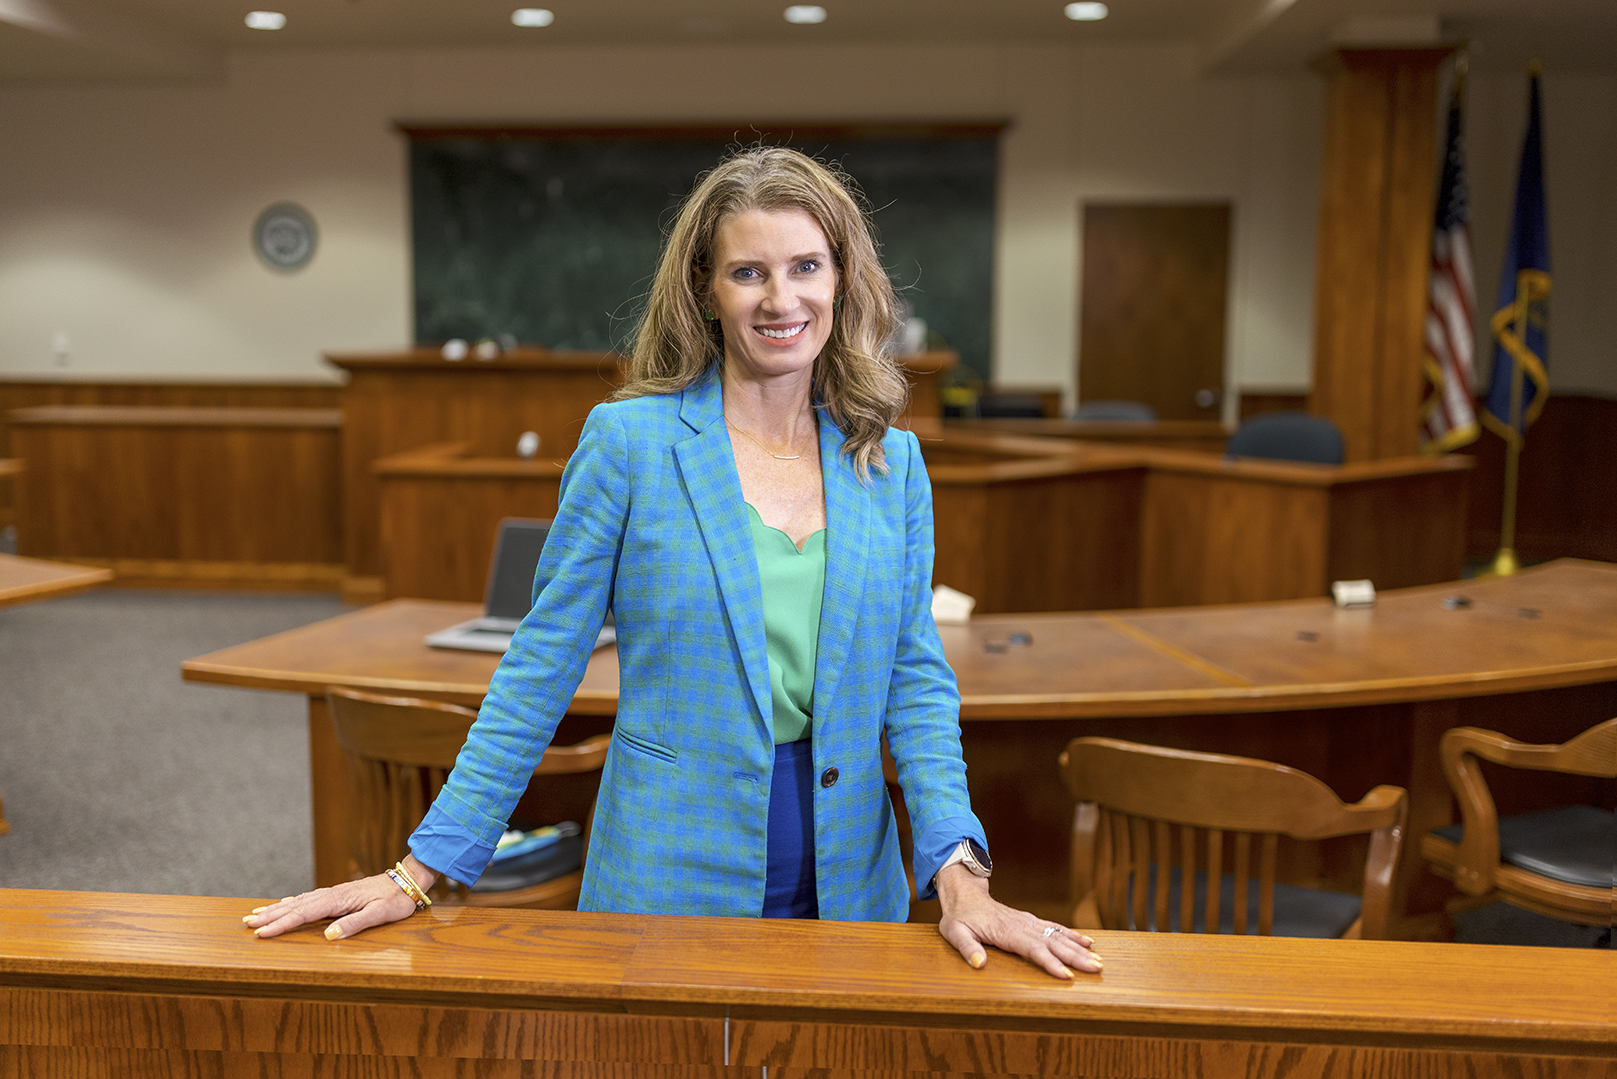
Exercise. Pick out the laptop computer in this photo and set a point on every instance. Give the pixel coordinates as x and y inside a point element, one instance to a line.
<point>509,593</point>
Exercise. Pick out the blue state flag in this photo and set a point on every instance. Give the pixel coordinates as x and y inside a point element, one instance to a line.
<point>1520,320</point>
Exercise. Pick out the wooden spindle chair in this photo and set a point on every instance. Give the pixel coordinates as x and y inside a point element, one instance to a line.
<point>399,752</point>
<point>1556,862</point>
<point>1153,825</point>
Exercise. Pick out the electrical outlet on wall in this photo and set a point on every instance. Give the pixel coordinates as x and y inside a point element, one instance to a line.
<point>60,347</point>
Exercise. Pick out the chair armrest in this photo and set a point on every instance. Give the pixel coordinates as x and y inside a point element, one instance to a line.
<point>1477,856</point>
<point>1381,865</point>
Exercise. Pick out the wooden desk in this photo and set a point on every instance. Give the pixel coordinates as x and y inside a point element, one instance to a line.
<point>1031,524</point>
<point>23,580</point>
<point>95,984</point>
<point>1356,697</point>
<point>1198,436</point>
<point>1027,524</point>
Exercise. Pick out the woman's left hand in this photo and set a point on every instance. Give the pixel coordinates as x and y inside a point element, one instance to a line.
<point>972,919</point>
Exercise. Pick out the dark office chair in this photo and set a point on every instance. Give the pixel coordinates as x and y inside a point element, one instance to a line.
<point>1122,411</point>
<point>1288,436</point>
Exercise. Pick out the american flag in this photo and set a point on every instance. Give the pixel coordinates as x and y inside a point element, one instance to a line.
<point>1448,414</point>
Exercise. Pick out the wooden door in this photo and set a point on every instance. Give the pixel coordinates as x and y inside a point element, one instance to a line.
<point>1154,293</point>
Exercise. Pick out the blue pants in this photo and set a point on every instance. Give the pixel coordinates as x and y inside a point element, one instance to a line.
<point>789,890</point>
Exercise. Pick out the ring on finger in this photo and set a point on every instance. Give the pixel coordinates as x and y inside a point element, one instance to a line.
<point>1051,930</point>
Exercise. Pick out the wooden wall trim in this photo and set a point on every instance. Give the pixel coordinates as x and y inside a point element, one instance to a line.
<point>164,416</point>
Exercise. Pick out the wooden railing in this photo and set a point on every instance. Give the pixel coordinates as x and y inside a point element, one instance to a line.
<point>95,984</point>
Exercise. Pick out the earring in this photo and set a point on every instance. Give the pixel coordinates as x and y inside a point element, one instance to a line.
<point>834,301</point>
<point>707,313</point>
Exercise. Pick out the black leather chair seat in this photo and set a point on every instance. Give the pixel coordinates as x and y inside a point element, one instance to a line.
<point>1572,844</point>
<point>1299,912</point>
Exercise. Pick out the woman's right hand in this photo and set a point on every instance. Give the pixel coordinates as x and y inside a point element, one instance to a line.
<point>356,905</point>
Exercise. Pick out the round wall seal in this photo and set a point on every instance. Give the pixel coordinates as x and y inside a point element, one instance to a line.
<point>284,236</point>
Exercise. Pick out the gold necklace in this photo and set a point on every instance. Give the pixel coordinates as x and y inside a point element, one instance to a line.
<point>760,445</point>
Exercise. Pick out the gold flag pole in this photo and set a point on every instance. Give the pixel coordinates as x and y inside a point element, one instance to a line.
<point>1504,563</point>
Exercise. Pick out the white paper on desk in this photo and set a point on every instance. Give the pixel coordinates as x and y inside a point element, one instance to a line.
<point>950,607</point>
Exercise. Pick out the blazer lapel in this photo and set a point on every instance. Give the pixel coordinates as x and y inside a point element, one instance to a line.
<point>707,466</point>
<point>847,538</point>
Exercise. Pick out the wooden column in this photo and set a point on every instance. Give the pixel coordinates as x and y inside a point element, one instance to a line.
<point>1375,234</point>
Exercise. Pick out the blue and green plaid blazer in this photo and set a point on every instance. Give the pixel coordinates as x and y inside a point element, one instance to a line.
<point>652,526</point>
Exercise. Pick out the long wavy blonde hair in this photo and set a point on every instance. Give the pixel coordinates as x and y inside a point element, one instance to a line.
<point>856,380</point>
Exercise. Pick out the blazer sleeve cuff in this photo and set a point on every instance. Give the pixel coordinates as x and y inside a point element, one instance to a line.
<point>444,845</point>
<point>933,847</point>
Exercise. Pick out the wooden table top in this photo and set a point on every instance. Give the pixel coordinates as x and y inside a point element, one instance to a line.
<point>1548,626</point>
<point>25,579</point>
<point>1265,989</point>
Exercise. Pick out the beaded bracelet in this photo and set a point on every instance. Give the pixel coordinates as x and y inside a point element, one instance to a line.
<point>401,877</point>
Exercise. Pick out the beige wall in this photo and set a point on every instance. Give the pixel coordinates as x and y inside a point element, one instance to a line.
<point>125,209</point>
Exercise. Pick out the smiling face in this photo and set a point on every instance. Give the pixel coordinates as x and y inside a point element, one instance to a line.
<point>773,287</point>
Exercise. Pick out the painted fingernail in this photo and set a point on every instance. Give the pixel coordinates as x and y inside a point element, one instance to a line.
<point>259,930</point>
<point>259,910</point>
<point>248,917</point>
<point>1065,973</point>
<point>978,959</point>
<point>288,898</point>
<point>333,932</point>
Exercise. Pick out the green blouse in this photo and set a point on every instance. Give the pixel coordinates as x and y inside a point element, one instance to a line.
<point>793,585</point>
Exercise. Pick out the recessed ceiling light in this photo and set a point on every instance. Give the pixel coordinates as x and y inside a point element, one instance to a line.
<point>1086,12</point>
<point>533,16</point>
<point>805,14</point>
<point>266,20</point>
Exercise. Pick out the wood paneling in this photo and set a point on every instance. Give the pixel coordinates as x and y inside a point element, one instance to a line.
<point>1375,236</point>
<point>1257,402</point>
<point>1154,294</point>
<point>1567,493</point>
<point>441,510</point>
<point>1211,539</point>
<point>1240,531</point>
<point>114,985</point>
<point>230,498</point>
<point>1020,529</point>
<point>1025,524</point>
<point>20,393</point>
<point>401,401</point>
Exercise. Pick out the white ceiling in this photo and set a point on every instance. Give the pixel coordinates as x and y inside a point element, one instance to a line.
<point>79,39</point>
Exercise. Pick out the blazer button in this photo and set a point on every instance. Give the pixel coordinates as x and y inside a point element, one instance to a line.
<point>828,778</point>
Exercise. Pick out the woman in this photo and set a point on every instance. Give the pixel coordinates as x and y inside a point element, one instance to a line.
<point>763,538</point>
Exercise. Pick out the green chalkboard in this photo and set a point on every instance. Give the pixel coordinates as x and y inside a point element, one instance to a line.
<point>552,239</point>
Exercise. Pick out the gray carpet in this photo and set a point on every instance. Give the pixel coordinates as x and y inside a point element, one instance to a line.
<point>117,776</point>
